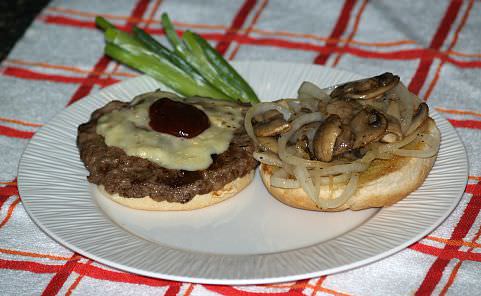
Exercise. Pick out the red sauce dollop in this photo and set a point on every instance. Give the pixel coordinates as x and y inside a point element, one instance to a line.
<point>177,118</point>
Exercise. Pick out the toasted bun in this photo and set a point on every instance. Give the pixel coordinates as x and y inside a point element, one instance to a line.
<point>199,201</point>
<point>384,183</point>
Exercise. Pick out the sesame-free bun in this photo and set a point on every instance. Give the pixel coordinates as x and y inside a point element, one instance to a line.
<point>384,183</point>
<point>199,201</point>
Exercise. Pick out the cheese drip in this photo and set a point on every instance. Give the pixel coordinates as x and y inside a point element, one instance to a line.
<point>129,130</point>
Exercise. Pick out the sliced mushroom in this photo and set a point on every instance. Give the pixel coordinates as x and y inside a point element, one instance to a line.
<point>418,118</point>
<point>342,108</point>
<point>368,125</point>
<point>272,128</point>
<point>367,88</point>
<point>354,153</point>
<point>268,144</point>
<point>393,130</point>
<point>325,138</point>
<point>345,140</point>
<point>307,130</point>
<point>302,147</point>
<point>322,107</point>
<point>283,103</point>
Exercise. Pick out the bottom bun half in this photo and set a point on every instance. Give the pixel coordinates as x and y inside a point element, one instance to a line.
<point>199,201</point>
<point>384,183</point>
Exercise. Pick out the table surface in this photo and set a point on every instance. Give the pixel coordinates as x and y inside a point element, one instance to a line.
<point>433,45</point>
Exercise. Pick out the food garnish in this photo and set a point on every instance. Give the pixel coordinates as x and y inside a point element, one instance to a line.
<point>192,67</point>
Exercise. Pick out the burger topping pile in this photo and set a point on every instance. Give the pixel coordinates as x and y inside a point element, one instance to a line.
<point>328,139</point>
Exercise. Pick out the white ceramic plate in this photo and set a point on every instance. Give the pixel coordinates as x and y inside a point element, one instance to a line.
<point>248,239</point>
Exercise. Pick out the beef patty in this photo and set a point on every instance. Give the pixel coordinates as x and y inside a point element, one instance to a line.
<point>135,177</point>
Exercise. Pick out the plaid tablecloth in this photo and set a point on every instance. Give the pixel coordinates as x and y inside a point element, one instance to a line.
<point>435,46</point>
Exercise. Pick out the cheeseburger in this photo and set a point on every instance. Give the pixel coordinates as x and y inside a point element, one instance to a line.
<point>164,152</point>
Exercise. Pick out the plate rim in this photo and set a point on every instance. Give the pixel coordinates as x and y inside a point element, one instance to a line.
<point>264,280</point>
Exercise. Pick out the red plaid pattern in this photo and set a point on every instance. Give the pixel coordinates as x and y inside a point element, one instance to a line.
<point>433,45</point>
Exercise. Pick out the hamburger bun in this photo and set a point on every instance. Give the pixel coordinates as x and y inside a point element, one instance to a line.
<point>199,201</point>
<point>384,183</point>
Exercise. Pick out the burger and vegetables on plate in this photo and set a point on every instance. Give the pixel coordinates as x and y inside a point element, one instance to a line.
<point>362,144</point>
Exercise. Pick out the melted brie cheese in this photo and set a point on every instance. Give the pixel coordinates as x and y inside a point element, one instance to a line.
<point>129,130</point>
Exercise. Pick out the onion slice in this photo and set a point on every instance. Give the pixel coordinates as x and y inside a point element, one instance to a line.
<point>317,182</point>
<point>417,153</point>
<point>354,167</point>
<point>407,101</point>
<point>268,158</point>
<point>309,90</point>
<point>280,178</point>
<point>305,180</point>
<point>432,143</point>
<point>342,178</point>
<point>346,194</point>
<point>389,148</point>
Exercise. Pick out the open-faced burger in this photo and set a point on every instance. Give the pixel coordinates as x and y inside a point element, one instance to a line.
<point>362,144</point>
<point>164,152</point>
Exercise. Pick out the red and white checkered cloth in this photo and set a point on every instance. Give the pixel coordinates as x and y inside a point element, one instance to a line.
<point>435,46</point>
